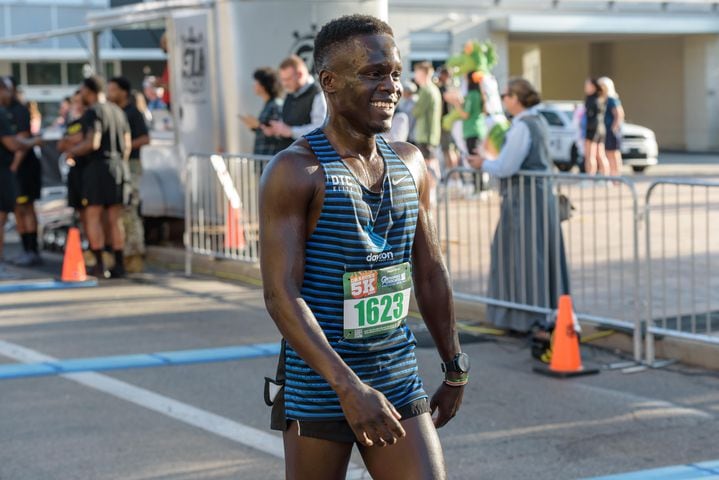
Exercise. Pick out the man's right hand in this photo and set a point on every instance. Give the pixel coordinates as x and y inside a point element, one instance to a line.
<point>373,419</point>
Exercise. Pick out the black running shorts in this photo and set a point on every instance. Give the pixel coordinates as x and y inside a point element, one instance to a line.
<point>100,185</point>
<point>334,430</point>
<point>8,189</point>
<point>29,180</point>
<point>74,187</point>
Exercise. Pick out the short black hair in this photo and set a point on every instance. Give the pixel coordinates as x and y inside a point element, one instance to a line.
<point>343,28</point>
<point>123,83</point>
<point>267,78</point>
<point>94,84</point>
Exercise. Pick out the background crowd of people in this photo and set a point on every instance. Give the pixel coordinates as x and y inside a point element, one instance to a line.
<point>292,106</point>
<point>103,131</point>
<point>601,121</point>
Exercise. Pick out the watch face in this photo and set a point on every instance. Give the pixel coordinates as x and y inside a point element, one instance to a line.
<point>463,362</point>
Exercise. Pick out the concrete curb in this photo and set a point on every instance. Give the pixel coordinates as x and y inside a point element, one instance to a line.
<point>686,351</point>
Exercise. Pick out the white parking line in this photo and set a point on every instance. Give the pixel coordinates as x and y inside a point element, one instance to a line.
<point>221,426</point>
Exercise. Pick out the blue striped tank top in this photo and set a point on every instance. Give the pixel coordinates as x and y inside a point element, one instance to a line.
<point>357,230</point>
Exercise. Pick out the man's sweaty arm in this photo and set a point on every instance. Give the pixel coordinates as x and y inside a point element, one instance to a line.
<point>288,188</point>
<point>432,286</point>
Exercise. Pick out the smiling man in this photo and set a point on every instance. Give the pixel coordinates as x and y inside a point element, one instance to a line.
<point>345,229</point>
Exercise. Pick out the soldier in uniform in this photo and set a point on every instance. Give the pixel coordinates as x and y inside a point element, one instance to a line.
<point>12,149</point>
<point>106,147</point>
<point>28,175</point>
<point>119,93</point>
<point>74,136</point>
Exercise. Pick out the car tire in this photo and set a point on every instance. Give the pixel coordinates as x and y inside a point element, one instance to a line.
<point>639,168</point>
<point>576,159</point>
<point>564,167</point>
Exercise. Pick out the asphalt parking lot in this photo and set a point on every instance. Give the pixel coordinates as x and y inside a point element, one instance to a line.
<point>207,420</point>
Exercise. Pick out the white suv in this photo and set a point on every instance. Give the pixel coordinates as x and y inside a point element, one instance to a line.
<point>566,145</point>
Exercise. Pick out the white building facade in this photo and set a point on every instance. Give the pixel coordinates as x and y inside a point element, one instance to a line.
<point>663,56</point>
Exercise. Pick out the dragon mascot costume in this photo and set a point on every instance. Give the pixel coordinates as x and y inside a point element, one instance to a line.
<point>479,59</point>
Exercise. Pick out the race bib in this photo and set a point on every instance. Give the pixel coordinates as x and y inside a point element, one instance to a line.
<point>376,301</point>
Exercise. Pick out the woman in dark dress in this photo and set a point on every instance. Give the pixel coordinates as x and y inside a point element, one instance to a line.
<point>594,130</point>
<point>528,265</point>
<point>267,87</point>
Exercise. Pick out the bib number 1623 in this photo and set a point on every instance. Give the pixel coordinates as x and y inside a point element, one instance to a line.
<point>380,309</point>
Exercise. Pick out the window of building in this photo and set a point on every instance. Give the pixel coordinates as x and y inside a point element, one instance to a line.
<point>109,69</point>
<point>75,73</point>
<point>430,45</point>
<point>44,74</point>
<point>17,71</point>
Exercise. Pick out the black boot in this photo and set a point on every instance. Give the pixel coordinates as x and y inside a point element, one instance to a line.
<point>99,269</point>
<point>118,271</point>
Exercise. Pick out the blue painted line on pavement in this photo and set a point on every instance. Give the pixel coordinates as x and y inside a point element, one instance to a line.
<point>27,370</point>
<point>119,362</point>
<point>678,472</point>
<point>31,286</point>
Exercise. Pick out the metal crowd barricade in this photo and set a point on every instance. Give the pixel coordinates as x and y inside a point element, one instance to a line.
<point>681,250</point>
<point>600,239</point>
<point>600,231</point>
<point>221,205</point>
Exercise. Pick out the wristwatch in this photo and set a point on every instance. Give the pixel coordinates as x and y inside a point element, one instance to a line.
<point>459,364</point>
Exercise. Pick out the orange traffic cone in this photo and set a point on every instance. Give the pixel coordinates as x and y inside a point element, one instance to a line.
<point>234,233</point>
<point>73,265</point>
<point>566,358</point>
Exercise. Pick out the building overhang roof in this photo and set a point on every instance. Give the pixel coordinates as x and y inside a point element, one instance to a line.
<point>137,15</point>
<point>78,54</point>
<point>606,24</point>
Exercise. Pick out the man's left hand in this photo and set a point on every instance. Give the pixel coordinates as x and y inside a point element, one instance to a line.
<point>281,129</point>
<point>445,401</point>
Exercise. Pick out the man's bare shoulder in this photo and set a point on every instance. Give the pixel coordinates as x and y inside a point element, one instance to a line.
<point>297,165</point>
<point>409,154</point>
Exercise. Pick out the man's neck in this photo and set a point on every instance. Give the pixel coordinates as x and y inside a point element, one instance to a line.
<point>347,141</point>
<point>123,103</point>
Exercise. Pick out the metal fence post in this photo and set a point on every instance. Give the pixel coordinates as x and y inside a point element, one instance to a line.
<point>189,179</point>
<point>637,337</point>
<point>649,336</point>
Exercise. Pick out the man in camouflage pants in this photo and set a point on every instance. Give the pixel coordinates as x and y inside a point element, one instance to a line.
<point>118,92</point>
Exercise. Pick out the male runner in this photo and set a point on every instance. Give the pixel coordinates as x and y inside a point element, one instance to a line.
<point>345,225</point>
